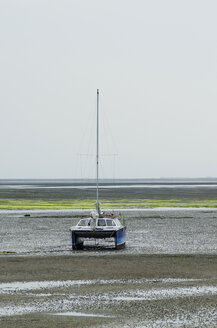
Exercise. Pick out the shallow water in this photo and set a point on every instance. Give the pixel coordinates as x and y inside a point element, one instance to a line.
<point>150,231</point>
<point>133,303</point>
<point>80,314</point>
<point>20,286</point>
<point>115,186</point>
<point>40,290</point>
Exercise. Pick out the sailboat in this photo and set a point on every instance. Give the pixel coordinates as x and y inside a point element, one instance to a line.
<point>99,225</point>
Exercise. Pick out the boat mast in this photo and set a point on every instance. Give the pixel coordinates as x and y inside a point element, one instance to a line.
<point>97,155</point>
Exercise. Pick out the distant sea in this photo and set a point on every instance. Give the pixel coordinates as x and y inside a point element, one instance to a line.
<point>159,181</point>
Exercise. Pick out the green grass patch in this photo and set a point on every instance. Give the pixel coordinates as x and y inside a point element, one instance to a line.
<point>7,252</point>
<point>115,203</point>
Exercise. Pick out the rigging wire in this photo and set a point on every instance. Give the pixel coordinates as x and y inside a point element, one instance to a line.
<point>109,167</point>
<point>109,146</point>
<point>86,143</point>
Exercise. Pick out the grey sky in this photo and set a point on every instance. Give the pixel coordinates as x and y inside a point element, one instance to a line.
<point>155,63</point>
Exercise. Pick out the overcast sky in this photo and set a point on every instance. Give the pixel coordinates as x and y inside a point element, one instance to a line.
<point>155,63</point>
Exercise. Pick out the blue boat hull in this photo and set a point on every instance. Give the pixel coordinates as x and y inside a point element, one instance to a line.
<point>120,238</point>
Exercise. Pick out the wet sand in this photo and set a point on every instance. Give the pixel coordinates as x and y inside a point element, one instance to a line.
<point>121,290</point>
<point>166,277</point>
<point>117,266</point>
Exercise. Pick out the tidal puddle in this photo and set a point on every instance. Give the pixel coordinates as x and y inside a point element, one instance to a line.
<point>157,294</point>
<point>69,300</point>
<point>17,286</point>
<point>22,286</point>
<point>80,314</point>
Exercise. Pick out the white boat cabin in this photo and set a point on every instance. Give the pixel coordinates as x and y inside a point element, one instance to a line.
<point>100,222</point>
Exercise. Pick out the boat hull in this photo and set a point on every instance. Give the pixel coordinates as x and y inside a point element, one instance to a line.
<point>78,237</point>
<point>120,238</point>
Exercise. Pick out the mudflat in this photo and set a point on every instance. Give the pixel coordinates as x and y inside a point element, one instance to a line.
<point>100,290</point>
<point>99,266</point>
<point>166,276</point>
